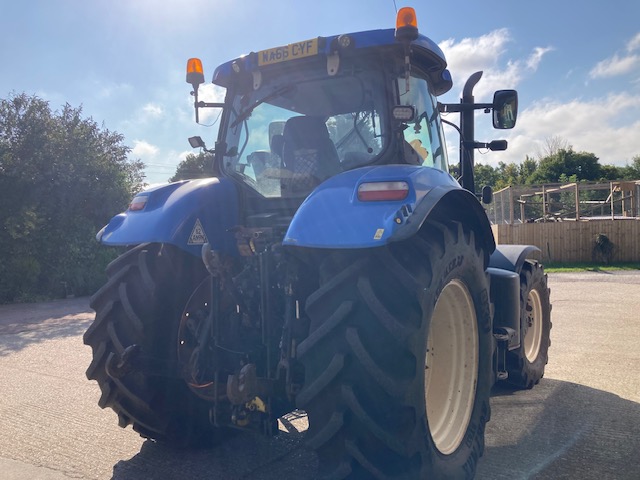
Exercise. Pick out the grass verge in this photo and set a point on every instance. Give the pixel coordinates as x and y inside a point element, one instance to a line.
<point>589,267</point>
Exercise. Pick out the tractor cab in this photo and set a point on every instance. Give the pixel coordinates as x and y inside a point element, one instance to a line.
<point>299,114</point>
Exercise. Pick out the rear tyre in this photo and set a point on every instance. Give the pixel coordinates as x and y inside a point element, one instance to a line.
<point>526,364</point>
<point>398,359</point>
<point>138,312</point>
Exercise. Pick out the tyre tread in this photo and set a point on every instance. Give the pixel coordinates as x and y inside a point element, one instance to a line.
<point>129,311</point>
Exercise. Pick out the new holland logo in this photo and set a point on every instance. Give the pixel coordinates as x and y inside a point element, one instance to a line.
<point>197,237</point>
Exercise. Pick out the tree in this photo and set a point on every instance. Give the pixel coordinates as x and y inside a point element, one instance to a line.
<point>632,172</point>
<point>61,178</point>
<point>508,174</point>
<point>527,169</point>
<point>194,166</point>
<point>583,165</point>
<point>485,175</point>
<point>552,145</point>
<point>610,172</point>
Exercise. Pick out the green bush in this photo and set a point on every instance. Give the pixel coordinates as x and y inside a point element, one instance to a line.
<point>62,177</point>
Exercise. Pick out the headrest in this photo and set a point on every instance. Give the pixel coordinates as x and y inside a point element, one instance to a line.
<point>305,130</point>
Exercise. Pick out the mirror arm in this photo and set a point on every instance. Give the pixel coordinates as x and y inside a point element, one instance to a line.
<point>462,107</point>
<point>202,104</point>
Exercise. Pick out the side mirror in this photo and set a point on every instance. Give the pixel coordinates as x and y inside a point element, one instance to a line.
<point>505,109</point>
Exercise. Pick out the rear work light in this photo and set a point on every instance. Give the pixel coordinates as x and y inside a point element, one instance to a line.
<point>138,203</point>
<point>383,191</point>
<point>404,113</point>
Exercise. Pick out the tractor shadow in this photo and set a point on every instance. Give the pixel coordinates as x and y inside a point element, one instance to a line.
<point>244,455</point>
<point>558,430</point>
<point>561,430</point>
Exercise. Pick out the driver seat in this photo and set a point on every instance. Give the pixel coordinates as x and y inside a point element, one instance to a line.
<point>307,153</point>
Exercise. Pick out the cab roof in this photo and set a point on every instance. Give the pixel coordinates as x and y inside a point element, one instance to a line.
<point>424,53</point>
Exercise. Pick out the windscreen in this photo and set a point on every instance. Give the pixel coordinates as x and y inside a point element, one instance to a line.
<point>295,131</point>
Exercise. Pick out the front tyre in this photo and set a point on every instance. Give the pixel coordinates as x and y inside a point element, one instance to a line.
<point>526,364</point>
<point>398,359</point>
<point>138,312</point>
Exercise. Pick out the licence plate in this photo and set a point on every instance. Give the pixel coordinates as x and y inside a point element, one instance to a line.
<point>292,51</point>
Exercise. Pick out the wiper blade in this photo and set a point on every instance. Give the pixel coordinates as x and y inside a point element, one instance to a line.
<point>245,113</point>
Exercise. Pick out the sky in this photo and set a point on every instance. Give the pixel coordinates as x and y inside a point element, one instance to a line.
<point>575,64</point>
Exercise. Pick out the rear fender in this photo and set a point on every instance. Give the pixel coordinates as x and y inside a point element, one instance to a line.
<point>445,203</point>
<point>185,214</point>
<point>512,257</point>
<point>333,216</point>
<point>504,270</point>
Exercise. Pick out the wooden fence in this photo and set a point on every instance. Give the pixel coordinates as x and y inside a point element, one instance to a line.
<point>574,241</point>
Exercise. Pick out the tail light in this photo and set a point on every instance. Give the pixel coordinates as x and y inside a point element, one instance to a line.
<point>138,203</point>
<point>383,191</point>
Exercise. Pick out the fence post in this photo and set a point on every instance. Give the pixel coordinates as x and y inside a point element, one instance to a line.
<point>510,205</point>
<point>577,201</point>
<point>613,214</point>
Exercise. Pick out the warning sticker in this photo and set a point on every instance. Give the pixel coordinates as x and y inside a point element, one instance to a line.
<point>197,237</point>
<point>379,233</point>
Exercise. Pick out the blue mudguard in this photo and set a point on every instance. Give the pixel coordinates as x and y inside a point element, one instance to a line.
<point>512,257</point>
<point>186,214</point>
<point>333,216</point>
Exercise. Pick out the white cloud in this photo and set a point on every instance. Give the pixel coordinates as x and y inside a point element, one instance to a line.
<point>210,93</point>
<point>607,127</point>
<point>137,123</point>
<point>634,43</point>
<point>618,64</point>
<point>485,53</point>
<point>470,55</point>
<point>111,90</point>
<point>144,150</point>
<point>536,57</point>
<point>152,111</point>
<point>474,53</point>
<point>615,66</point>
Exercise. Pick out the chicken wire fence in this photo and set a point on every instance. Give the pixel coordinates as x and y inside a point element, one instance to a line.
<point>565,202</point>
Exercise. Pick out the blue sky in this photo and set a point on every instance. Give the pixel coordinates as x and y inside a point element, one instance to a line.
<point>576,64</point>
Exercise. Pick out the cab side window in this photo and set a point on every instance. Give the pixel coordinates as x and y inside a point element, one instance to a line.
<point>424,141</point>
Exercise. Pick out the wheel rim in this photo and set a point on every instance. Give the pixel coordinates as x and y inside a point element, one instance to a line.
<point>451,367</point>
<point>533,326</point>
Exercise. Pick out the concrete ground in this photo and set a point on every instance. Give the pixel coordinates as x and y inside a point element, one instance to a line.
<point>582,421</point>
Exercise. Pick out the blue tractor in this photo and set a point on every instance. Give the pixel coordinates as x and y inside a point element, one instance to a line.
<point>330,264</point>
